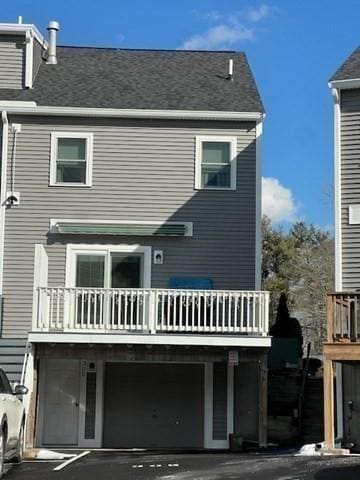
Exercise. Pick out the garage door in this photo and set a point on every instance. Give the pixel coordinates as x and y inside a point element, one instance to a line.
<point>153,405</point>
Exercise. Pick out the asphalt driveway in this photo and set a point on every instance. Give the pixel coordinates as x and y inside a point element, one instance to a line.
<point>191,466</point>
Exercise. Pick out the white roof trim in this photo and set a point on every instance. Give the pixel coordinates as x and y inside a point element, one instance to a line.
<point>135,113</point>
<point>23,28</point>
<point>16,103</point>
<point>146,339</point>
<point>344,84</point>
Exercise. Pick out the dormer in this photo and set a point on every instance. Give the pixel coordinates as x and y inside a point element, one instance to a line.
<point>22,49</point>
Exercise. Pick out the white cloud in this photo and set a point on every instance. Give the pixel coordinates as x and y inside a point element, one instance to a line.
<point>277,201</point>
<point>230,29</point>
<point>219,37</point>
<point>257,14</point>
<point>214,15</point>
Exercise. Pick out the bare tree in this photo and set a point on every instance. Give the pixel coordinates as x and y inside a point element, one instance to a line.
<point>299,263</point>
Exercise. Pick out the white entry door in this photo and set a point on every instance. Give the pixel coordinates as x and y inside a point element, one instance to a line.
<point>60,397</point>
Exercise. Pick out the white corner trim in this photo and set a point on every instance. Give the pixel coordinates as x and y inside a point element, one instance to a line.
<point>40,275</point>
<point>199,140</point>
<point>89,137</point>
<point>189,226</point>
<point>29,58</point>
<point>337,192</point>
<point>258,209</point>
<point>73,249</point>
<point>136,113</point>
<point>345,84</point>
<point>4,162</point>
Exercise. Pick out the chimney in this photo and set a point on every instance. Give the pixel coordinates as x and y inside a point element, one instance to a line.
<point>53,27</point>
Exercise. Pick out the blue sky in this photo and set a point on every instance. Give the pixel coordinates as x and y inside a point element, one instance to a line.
<point>293,47</point>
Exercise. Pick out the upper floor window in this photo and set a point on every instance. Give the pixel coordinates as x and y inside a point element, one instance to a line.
<point>215,166</point>
<point>71,159</point>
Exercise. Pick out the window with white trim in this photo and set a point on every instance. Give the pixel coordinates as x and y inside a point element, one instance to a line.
<point>71,159</point>
<point>215,163</point>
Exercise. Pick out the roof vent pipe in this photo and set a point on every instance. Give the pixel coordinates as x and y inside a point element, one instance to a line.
<point>231,69</point>
<point>53,28</point>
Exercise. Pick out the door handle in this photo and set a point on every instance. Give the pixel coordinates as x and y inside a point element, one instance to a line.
<point>75,403</point>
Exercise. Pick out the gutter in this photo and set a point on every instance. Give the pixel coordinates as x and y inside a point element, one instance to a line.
<point>337,190</point>
<point>32,109</point>
<point>4,158</point>
<point>345,84</point>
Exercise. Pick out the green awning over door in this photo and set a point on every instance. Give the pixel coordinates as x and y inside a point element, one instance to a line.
<point>141,229</point>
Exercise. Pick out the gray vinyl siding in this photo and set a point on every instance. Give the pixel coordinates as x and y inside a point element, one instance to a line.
<point>350,186</point>
<point>12,58</point>
<point>12,354</point>
<point>37,57</point>
<point>142,170</point>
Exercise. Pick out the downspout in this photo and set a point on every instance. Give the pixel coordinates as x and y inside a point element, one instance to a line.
<point>4,158</point>
<point>337,191</point>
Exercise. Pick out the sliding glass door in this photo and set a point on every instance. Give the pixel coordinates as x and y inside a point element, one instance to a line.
<point>104,283</point>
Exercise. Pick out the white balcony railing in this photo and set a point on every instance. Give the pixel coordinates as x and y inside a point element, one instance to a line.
<point>151,311</point>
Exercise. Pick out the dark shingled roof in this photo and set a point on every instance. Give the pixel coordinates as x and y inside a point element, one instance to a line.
<point>350,69</point>
<point>143,79</point>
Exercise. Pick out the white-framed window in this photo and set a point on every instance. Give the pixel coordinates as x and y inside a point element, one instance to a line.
<point>71,159</point>
<point>215,162</point>
<point>108,266</point>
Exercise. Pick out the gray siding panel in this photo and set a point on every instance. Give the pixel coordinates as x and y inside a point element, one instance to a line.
<point>12,354</point>
<point>12,58</point>
<point>350,182</point>
<point>142,170</point>
<point>37,57</point>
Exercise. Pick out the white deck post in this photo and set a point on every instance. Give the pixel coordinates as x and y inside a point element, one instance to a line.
<point>152,311</point>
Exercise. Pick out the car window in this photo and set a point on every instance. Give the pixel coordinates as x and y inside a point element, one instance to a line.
<point>4,384</point>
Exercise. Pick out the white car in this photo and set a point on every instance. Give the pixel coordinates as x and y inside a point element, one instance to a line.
<point>12,415</point>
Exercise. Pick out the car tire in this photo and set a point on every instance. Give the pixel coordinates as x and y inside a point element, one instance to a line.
<point>20,446</point>
<point>2,453</point>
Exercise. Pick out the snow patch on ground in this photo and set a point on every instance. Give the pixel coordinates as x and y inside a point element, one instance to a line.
<point>50,455</point>
<point>309,450</point>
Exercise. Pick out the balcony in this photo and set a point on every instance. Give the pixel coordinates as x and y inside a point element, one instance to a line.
<point>144,314</point>
<point>343,327</point>
<point>343,317</point>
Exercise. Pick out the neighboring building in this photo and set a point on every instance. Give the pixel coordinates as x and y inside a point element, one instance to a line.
<point>130,243</point>
<point>343,344</point>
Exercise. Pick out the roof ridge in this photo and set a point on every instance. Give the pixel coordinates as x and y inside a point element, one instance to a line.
<point>81,47</point>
